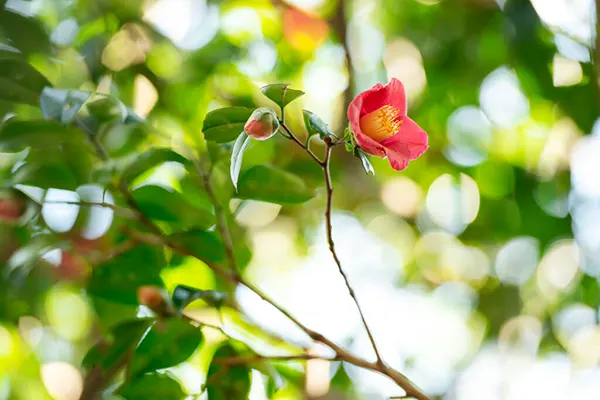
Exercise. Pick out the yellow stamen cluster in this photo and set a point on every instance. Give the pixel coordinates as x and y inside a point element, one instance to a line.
<point>381,123</point>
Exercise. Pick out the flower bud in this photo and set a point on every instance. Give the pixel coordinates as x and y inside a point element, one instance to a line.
<point>73,267</point>
<point>153,298</point>
<point>12,206</point>
<point>262,124</point>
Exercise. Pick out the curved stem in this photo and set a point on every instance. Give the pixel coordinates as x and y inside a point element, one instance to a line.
<point>221,221</point>
<point>93,385</point>
<point>329,229</point>
<point>299,143</point>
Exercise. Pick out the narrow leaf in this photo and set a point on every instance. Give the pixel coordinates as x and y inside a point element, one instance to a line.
<point>237,155</point>
<point>364,159</point>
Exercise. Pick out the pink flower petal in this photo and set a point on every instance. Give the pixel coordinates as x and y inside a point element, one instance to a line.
<point>392,94</point>
<point>410,137</point>
<point>398,156</point>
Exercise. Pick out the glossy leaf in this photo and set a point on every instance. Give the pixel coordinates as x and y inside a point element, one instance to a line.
<point>123,339</point>
<point>62,105</point>
<point>26,33</point>
<point>237,155</point>
<point>149,159</point>
<point>118,279</point>
<point>16,135</point>
<point>205,245</point>
<point>281,94</point>
<point>315,125</point>
<point>364,159</point>
<point>20,82</point>
<point>168,343</point>
<point>107,108</point>
<point>169,206</point>
<point>224,382</point>
<point>225,124</point>
<point>46,174</point>
<point>153,386</point>
<point>184,295</point>
<point>272,185</point>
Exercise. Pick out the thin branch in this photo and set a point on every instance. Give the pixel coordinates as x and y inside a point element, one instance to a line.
<point>329,229</point>
<point>124,212</point>
<point>299,143</point>
<point>221,220</point>
<point>113,252</point>
<point>243,360</point>
<point>158,238</point>
<point>341,353</point>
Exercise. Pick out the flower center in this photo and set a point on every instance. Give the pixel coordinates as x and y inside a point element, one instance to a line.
<point>381,123</point>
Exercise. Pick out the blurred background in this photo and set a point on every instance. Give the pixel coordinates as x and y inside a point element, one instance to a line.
<point>477,266</point>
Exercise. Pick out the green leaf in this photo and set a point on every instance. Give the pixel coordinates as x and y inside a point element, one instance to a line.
<point>364,159</point>
<point>315,125</point>
<point>225,124</point>
<point>224,382</point>
<point>264,183</point>
<point>162,204</point>
<point>45,174</point>
<point>26,33</point>
<point>119,279</point>
<point>123,339</point>
<point>168,343</point>
<point>281,94</point>
<point>20,82</point>
<point>205,245</point>
<point>150,159</point>
<point>107,108</point>
<point>184,295</point>
<point>62,105</point>
<point>237,155</point>
<point>153,386</point>
<point>16,135</point>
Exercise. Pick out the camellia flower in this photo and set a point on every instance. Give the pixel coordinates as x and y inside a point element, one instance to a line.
<point>381,127</point>
<point>262,124</point>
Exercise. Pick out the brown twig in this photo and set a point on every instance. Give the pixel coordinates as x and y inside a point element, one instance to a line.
<point>329,229</point>
<point>221,220</point>
<point>156,237</point>
<point>124,212</point>
<point>299,143</point>
<point>341,354</point>
<point>242,360</point>
<point>114,252</point>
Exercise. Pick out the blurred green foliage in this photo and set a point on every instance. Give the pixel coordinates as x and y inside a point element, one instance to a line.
<point>118,113</point>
